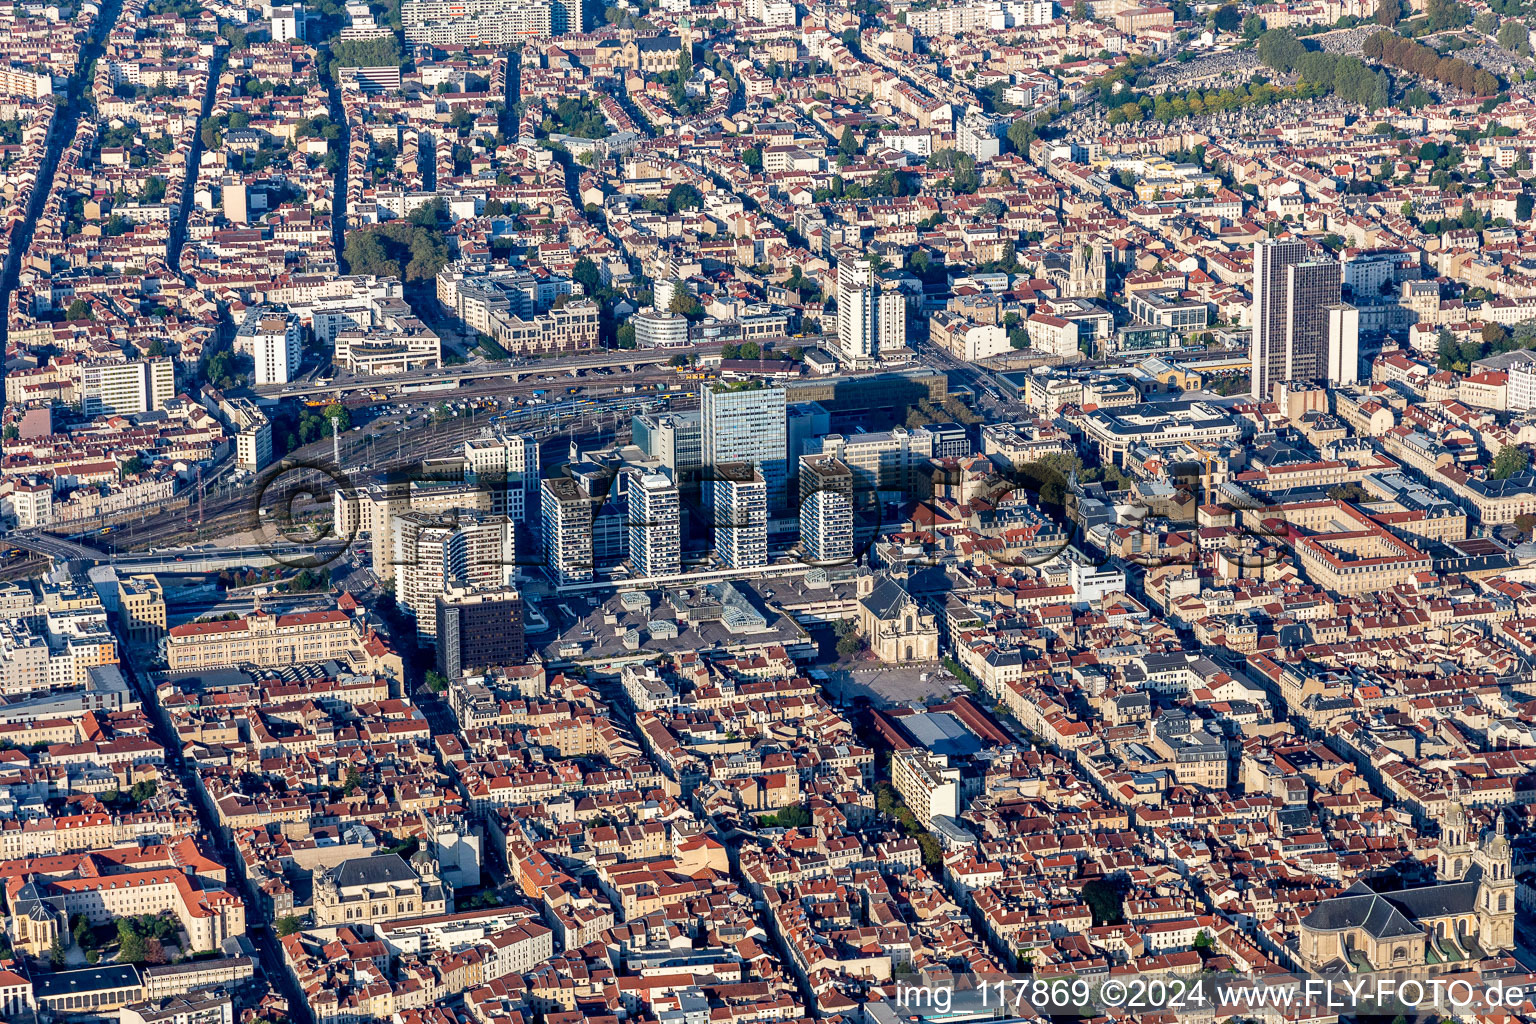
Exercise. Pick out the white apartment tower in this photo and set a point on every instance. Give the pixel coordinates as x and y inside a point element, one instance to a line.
<point>288,23</point>
<point>857,324</point>
<point>654,524</point>
<point>509,463</point>
<point>741,515</point>
<point>275,341</point>
<point>124,388</point>
<point>826,510</point>
<point>869,319</point>
<point>565,520</point>
<point>747,422</point>
<point>486,22</point>
<point>434,552</point>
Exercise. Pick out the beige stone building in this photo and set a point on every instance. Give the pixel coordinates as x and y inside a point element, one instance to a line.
<point>927,783</point>
<point>376,889</point>
<point>1469,914</point>
<point>896,627</point>
<point>42,908</point>
<point>141,609</point>
<point>273,641</point>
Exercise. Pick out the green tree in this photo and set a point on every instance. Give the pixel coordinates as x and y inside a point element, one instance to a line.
<point>933,852</point>
<point>684,197</point>
<point>1349,492</point>
<point>1444,14</point>
<point>79,309</point>
<point>1020,133</point>
<point>1511,460</point>
<point>795,816</point>
<point>1280,50</point>
<point>1446,350</point>
<point>367,53</point>
<point>132,467</point>
<point>684,303</point>
<point>847,144</point>
<point>1514,37</point>
<point>1105,901</point>
<point>436,681</point>
<point>1524,206</point>
<point>339,418</point>
<point>585,273</point>
<point>409,250</point>
<point>752,158</point>
<point>1227,18</point>
<point>1388,12</point>
<point>1080,11</point>
<point>130,949</point>
<point>56,953</point>
<point>1253,27</point>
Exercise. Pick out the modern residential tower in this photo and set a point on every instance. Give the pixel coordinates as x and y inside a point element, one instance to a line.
<point>654,524</point>
<point>565,520</point>
<point>741,515</point>
<point>745,422</point>
<point>434,553</point>
<point>869,319</point>
<point>485,22</point>
<point>507,466</point>
<point>1301,328</point>
<point>826,510</point>
<point>124,388</point>
<point>274,341</point>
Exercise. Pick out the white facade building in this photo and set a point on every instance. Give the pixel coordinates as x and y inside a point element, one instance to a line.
<point>565,519</point>
<point>275,341</point>
<point>485,22</point>
<point>433,552</point>
<point>740,499</point>
<point>869,319</point>
<point>657,329</point>
<point>826,511</point>
<point>108,389</point>
<point>509,461</point>
<point>288,23</point>
<point>654,523</point>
